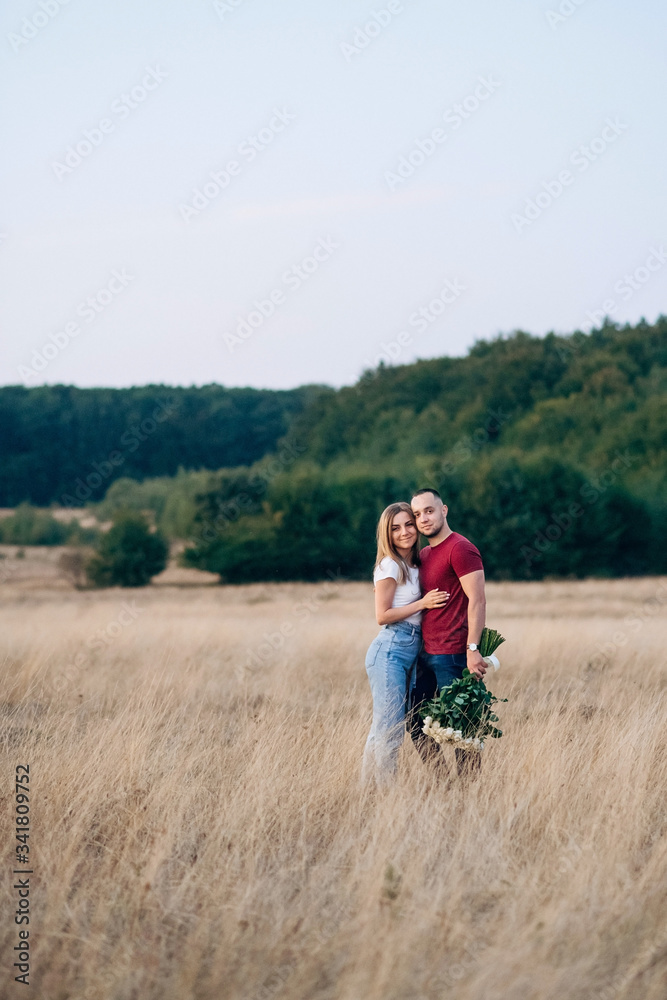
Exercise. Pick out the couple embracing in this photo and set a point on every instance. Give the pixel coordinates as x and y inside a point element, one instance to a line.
<point>431,606</point>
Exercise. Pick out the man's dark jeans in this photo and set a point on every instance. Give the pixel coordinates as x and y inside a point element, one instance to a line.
<point>434,672</point>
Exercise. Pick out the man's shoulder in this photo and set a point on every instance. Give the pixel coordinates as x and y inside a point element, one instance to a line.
<point>453,541</point>
<point>459,540</point>
<point>464,556</point>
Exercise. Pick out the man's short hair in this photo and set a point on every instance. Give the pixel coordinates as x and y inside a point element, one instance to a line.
<point>435,493</point>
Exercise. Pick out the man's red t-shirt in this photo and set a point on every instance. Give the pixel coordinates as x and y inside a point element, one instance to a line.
<point>445,630</point>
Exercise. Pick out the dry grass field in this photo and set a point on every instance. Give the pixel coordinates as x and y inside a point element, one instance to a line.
<point>199,831</point>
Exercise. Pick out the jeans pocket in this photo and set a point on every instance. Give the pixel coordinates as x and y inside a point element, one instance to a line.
<point>372,653</point>
<point>404,639</point>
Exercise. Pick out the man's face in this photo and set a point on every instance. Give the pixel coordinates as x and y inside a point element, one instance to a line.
<point>429,513</point>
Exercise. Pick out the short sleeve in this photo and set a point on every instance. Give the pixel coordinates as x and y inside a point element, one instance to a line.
<point>465,558</point>
<point>387,570</point>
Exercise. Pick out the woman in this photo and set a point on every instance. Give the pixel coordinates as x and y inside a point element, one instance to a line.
<point>391,657</point>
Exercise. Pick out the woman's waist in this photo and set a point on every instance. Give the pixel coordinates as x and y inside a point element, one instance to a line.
<point>410,628</point>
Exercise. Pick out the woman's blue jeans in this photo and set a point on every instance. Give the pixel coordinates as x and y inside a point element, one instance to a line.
<point>390,665</point>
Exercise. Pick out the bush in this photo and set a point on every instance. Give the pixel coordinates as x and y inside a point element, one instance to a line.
<point>30,526</point>
<point>129,554</point>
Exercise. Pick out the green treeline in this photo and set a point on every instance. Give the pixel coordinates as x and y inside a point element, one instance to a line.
<point>64,445</point>
<point>550,453</point>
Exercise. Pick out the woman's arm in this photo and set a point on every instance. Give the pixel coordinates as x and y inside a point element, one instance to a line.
<point>384,595</point>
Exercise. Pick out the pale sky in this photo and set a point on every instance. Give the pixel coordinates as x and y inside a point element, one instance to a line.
<point>371,159</point>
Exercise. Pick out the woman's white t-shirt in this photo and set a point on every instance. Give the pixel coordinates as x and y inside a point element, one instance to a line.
<point>405,593</point>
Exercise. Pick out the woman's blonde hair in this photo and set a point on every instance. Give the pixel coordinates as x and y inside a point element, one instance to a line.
<point>386,544</point>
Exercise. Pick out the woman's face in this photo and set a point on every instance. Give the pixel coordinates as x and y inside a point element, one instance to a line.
<point>403,532</point>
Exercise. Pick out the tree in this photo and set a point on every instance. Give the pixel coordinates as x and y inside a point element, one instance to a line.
<point>129,554</point>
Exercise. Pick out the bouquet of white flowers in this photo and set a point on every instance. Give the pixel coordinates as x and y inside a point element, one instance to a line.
<point>462,713</point>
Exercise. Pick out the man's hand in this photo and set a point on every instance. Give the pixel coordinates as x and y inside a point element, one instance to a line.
<point>475,663</point>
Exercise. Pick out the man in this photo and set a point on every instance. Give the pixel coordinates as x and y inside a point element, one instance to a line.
<point>450,634</point>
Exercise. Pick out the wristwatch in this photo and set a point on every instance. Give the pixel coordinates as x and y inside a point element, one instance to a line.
<point>472,646</point>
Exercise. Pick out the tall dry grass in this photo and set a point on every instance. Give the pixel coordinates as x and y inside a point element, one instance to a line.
<point>199,830</point>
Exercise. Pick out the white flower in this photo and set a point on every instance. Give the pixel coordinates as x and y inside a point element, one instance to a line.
<point>427,721</point>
